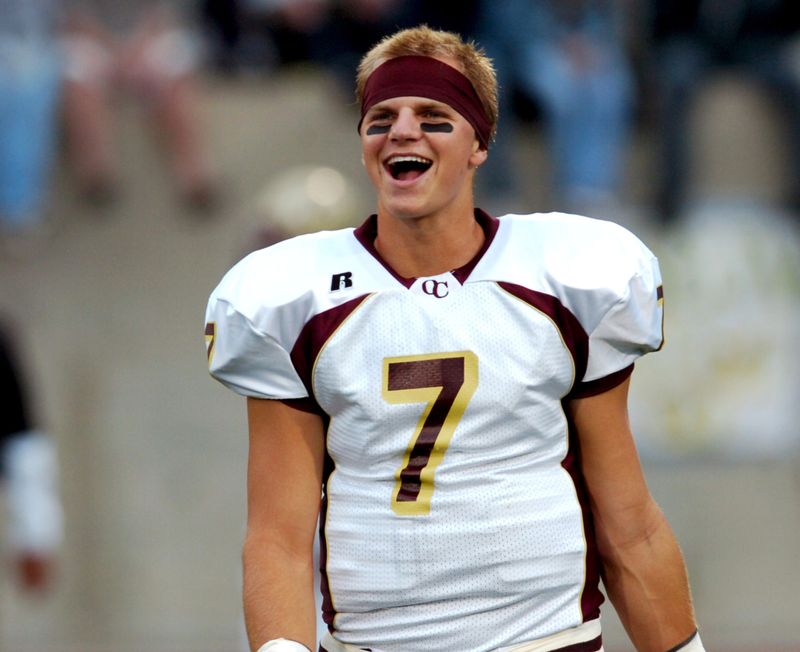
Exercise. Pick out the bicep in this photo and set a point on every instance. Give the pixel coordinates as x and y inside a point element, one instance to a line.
<point>284,475</point>
<point>623,508</point>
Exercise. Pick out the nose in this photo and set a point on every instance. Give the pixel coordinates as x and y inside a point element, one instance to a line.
<point>406,126</point>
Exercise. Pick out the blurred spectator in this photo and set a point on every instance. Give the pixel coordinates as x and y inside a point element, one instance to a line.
<point>144,49</point>
<point>29,473</point>
<point>224,30</point>
<point>29,85</point>
<point>265,34</point>
<point>569,58</point>
<point>357,25</point>
<point>460,16</point>
<point>693,39</point>
<point>298,28</point>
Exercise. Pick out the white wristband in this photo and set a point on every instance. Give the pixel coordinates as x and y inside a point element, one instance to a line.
<point>283,645</point>
<point>694,645</point>
<point>36,521</point>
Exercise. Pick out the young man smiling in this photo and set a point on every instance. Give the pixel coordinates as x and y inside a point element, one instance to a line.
<point>456,386</point>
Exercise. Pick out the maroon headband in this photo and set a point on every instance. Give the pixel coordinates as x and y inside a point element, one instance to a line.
<point>431,78</point>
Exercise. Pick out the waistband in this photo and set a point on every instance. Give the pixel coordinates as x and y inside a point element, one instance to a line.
<point>583,638</point>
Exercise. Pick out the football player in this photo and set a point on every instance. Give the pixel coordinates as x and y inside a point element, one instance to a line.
<point>456,384</point>
<point>29,473</point>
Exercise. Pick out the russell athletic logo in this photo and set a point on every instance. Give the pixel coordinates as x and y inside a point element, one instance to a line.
<point>436,289</point>
<point>341,281</point>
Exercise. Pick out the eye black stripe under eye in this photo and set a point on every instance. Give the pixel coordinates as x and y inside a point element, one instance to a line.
<point>376,130</point>
<point>437,128</point>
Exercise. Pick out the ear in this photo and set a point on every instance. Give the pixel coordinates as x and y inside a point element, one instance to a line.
<point>479,154</point>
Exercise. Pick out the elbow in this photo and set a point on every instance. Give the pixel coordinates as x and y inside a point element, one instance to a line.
<point>634,529</point>
<point>281,547</point>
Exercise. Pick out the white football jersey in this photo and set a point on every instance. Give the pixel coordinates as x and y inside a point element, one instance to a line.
<point>454,516</point>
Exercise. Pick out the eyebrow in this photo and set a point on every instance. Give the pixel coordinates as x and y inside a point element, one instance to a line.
<point>437,106</point>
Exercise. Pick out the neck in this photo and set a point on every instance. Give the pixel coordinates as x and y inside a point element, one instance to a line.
<point>429,245</point>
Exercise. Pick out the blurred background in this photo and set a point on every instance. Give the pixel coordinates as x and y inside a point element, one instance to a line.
<point>146,147</point>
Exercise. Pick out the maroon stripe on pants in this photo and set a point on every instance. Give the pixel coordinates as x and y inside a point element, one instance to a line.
<point>587,646</point>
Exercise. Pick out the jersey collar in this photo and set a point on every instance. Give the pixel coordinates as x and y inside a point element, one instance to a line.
<point>368,231</point>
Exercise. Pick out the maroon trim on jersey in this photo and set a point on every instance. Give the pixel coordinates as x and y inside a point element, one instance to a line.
<point>317,331</point>
<point>577,341</point>
<point>305,404</point>
<point>368,231</point>
<point>591,597</point>
<point>572,332</point>
<point>489,225</point>
<point>600,385</point>
<point>328,610</point>
<point>315,334</point>
<point>366,234</point>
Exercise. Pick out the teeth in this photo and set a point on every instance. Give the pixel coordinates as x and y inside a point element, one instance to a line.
<point>408,159</point>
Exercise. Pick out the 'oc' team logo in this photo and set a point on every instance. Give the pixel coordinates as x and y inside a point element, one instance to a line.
<point>436,289</point>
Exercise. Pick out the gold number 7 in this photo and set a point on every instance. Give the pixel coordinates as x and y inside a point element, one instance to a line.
<point>446,382</point>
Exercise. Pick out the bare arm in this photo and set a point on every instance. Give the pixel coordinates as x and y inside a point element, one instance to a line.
<point>284,483</point>
<point>643,569</point>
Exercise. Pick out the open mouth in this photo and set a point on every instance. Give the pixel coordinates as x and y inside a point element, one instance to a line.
<point>407,168</point>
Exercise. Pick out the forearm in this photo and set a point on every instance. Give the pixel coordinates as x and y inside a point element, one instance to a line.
<point>647,583</point>
<point>278,592</point>
<point>642,565</point>
<point>284,481</point>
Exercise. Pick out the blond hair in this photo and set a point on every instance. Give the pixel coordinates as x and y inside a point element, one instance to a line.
<point>423,41</point>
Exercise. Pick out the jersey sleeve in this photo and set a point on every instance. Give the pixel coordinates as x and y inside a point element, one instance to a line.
<point>249,335</point>
<point>633,323</point>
